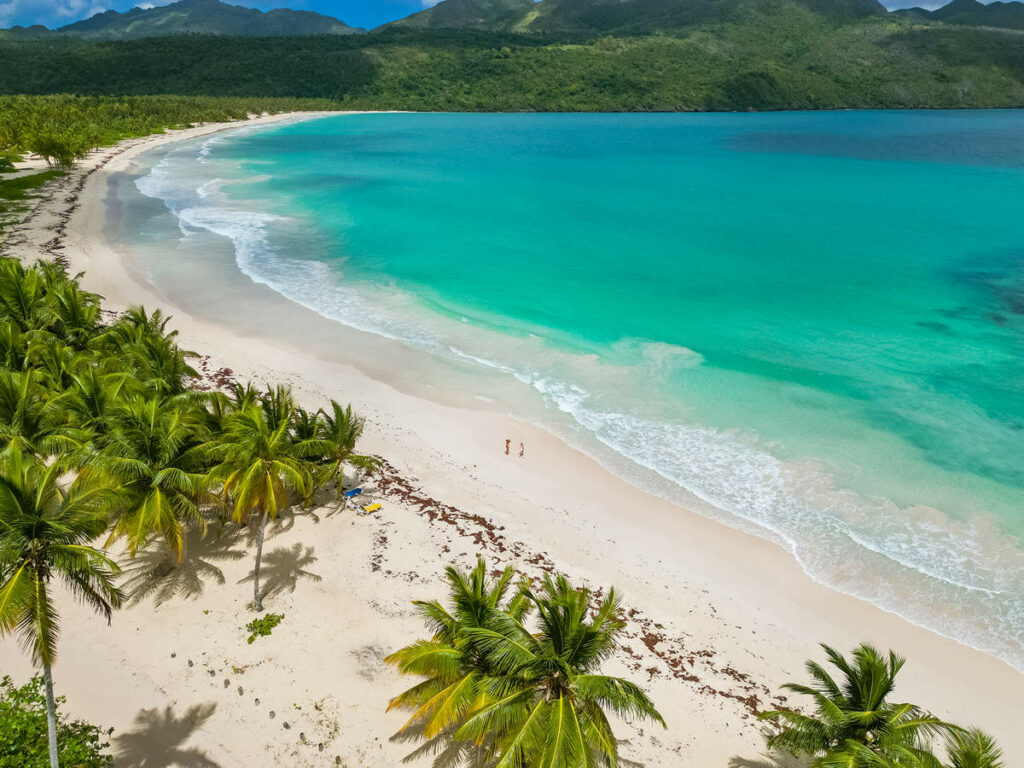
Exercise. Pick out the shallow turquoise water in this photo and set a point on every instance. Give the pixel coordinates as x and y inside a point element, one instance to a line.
<point>814,321</point>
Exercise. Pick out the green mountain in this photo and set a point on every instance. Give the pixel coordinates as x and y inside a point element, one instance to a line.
<point>467,14</point>
<point>972,13</point>
<point>634,17</point>
<point>209,17</point>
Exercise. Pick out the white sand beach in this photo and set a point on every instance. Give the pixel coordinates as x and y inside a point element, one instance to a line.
<point>719,619</point>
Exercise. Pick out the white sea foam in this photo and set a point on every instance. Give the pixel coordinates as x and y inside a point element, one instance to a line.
<point>961,579</point>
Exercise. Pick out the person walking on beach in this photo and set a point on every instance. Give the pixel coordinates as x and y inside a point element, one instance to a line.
<point>522,450</point>
<point>507,443</point>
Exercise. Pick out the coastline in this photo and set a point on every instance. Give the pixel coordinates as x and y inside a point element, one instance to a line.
<point>723,617</point>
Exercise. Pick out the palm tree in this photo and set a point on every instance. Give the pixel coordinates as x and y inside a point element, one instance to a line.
<point>259,465</point>
<point>149,350</point>
<point>854,723</point>
<point>549,703</point>
<point>973,749</point>
<point>29,423</point>
<point>523,697</point>
<point>340,430</point>
<point>56,362</point>
<point>454,668</point>
<point>73,313</point>
<point>23,296</point>
<point>13,347</point>
<point>153,462</point>
<point>45,534</point>
<point>90,403</point>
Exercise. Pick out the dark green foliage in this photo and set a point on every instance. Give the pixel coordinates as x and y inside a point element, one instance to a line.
<point>263,626</point>
<point>23,731</point>
<point>777,55</point>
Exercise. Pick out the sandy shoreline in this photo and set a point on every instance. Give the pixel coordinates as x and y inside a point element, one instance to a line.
<point>722,617</point>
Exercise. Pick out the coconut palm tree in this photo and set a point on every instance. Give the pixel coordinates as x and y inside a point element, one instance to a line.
<point>524,697</point>
<point>73,313</point>
<point>548,701</point>
<point>91,401</point>
<point>455,669</point>
<point>854,723</point>
<point>149,351</point>
<point>153,462</point>
<point>30,424</point>
<point>973,749</point>
<point>56,363</point>
<point>45,535</point>
<point>23,296</point>
<point>13,347</point>
<point>339,430</point>
<point>260,464</point>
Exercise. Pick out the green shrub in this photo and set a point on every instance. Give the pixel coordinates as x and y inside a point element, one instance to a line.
<point>23,742</point>
<point>261,627</point>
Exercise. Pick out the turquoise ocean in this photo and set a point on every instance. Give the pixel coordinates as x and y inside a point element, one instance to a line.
<point>812,321</point>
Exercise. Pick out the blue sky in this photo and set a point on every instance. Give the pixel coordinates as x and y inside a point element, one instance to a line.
<point>56,13</point>
<point>358,13</point>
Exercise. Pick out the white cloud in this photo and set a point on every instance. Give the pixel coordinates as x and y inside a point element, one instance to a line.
<point>49,12</point>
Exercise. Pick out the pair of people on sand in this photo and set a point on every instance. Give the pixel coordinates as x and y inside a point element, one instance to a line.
<point>522,448</point>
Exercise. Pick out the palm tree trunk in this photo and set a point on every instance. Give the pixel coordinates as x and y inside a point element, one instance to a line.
<point>51,717</point>
<point>257,598</point>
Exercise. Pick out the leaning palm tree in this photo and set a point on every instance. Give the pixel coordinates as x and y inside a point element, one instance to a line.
<point>854,723</point>
<point>45,535</point>
<point>153,462</point>
<point>259,465</point>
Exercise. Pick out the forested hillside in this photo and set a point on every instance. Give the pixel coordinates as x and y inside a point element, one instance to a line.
<point>791,59</point>
<point>618,55</point>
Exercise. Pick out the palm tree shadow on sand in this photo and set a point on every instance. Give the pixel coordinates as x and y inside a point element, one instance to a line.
<point>156,572</point>
<point>159,740</point>
<point>282,568</point>
<point>767,761</point>
<point>447,752</point>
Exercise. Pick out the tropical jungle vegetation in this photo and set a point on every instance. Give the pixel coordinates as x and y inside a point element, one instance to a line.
<point>790,59</point>
<point>63,129</point>
<point>104,436</point>
<point>568,55</point>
